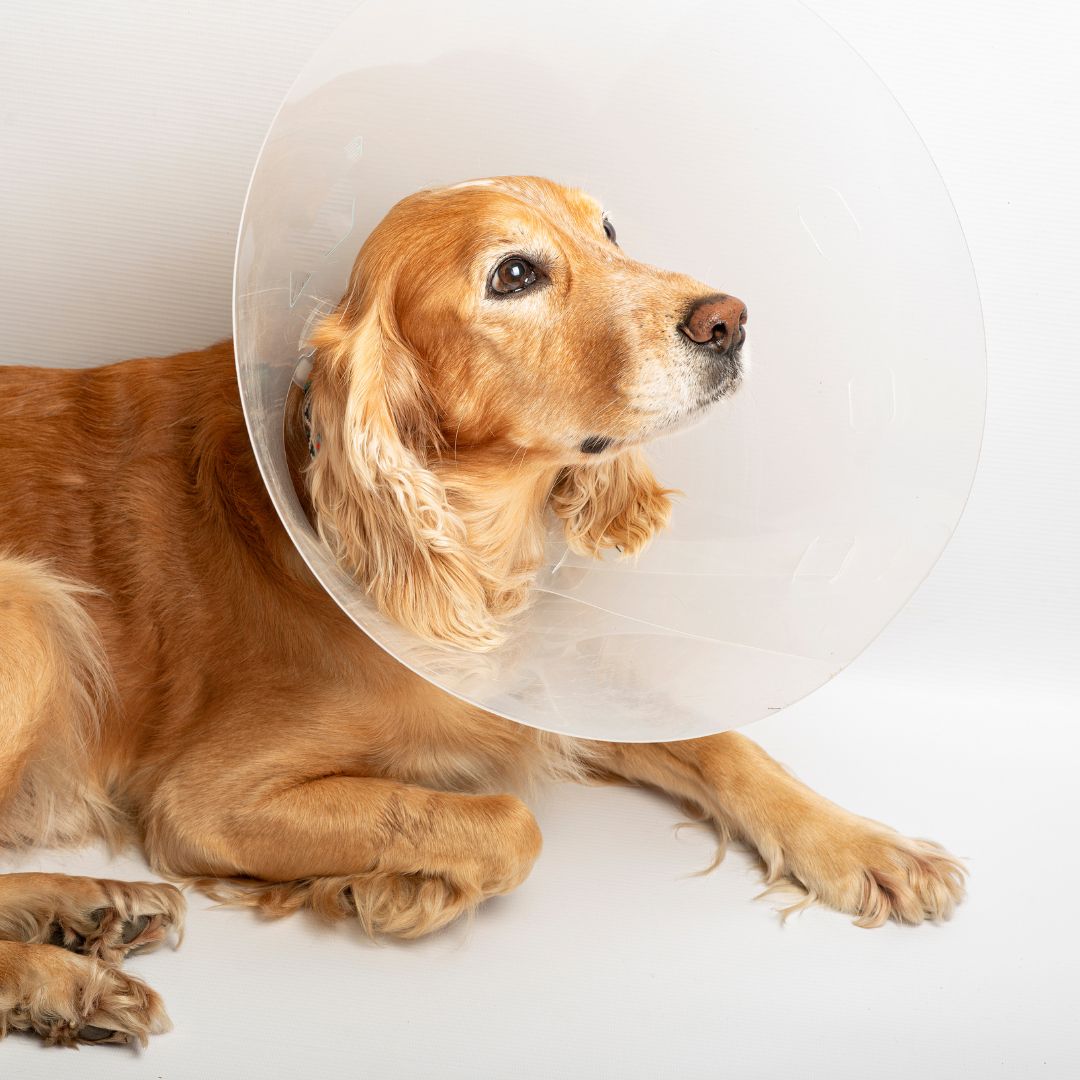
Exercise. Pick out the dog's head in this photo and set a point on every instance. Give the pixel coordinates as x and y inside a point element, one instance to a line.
<point>496,350</point>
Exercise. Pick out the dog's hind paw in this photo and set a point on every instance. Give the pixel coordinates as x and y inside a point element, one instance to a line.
<point>99,918</point>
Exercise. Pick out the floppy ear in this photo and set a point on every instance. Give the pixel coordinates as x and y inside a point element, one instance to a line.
<point>614,503</point>
<point>380,508</point>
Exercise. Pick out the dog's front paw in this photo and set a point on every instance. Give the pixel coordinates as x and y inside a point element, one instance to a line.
<point>870,871</point>
<point>643,516</point>
<point>640,515</point>
<point>613,504</point>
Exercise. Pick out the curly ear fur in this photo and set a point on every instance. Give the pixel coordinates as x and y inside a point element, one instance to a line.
<point>378,505</point>
<point>614,503</point>
<point>389,519</point>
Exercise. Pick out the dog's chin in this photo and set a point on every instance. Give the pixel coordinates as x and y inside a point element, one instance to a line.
<point>723,384</point>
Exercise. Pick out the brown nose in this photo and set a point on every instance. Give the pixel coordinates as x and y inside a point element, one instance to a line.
<point>716,318</point>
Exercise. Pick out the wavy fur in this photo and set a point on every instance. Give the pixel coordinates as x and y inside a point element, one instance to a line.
<point>170,669</point>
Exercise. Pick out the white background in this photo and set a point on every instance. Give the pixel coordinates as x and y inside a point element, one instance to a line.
<point>127,132</point>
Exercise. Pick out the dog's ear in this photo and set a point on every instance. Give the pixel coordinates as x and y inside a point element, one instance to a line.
<point>377,504</point>
<point>614,503</point>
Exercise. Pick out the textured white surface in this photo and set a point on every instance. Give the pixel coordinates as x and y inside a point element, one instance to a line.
<point>126,135</point>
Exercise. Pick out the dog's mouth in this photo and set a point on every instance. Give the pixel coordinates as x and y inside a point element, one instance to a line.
<point>723,377</point>
<point>596,444</point>
<point>719,380</point>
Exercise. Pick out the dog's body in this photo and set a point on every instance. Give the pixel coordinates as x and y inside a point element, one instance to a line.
<point>170,670</point>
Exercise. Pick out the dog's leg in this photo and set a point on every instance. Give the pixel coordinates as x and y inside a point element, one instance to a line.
<point>54,684</point>
<point>103,919</point>
<point>849,862</point>
<point>405,859</point>
<point>70,999</point>
<point>51,675</point>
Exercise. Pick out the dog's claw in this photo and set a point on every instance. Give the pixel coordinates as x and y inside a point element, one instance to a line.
<point>134,928</point>
<point>91,1033</point>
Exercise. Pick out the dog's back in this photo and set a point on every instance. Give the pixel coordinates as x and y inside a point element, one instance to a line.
<point>132,516</point>
<point>96,464</point>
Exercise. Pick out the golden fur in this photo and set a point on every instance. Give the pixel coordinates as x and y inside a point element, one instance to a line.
<point>170,671</point>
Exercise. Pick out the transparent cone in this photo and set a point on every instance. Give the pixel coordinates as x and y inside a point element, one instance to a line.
<point>749,147</point>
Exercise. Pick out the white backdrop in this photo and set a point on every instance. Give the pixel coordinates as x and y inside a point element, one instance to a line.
<point>127,132</point>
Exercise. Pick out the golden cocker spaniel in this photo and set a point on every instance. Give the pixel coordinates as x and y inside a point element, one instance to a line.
<point>171,673</point>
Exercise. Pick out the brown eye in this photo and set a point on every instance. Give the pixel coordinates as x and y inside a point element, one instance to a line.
<point>512,275</point>
<point>609,231</point>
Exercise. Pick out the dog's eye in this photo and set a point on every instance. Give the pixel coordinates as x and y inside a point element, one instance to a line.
<point>512,275</point>
<point>609,231</point>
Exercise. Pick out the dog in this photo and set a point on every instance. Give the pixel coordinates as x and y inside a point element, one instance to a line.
<point>172,674</point>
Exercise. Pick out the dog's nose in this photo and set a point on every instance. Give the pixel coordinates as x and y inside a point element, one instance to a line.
<point>718,319</point>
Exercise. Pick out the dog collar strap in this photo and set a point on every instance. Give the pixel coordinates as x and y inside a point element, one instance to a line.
<point>302,373</point>
<point>302,377</point>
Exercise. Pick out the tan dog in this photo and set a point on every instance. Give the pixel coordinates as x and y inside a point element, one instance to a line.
<point>171,672</point>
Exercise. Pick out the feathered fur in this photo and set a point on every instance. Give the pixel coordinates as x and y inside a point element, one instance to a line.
<point>170,669</point>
